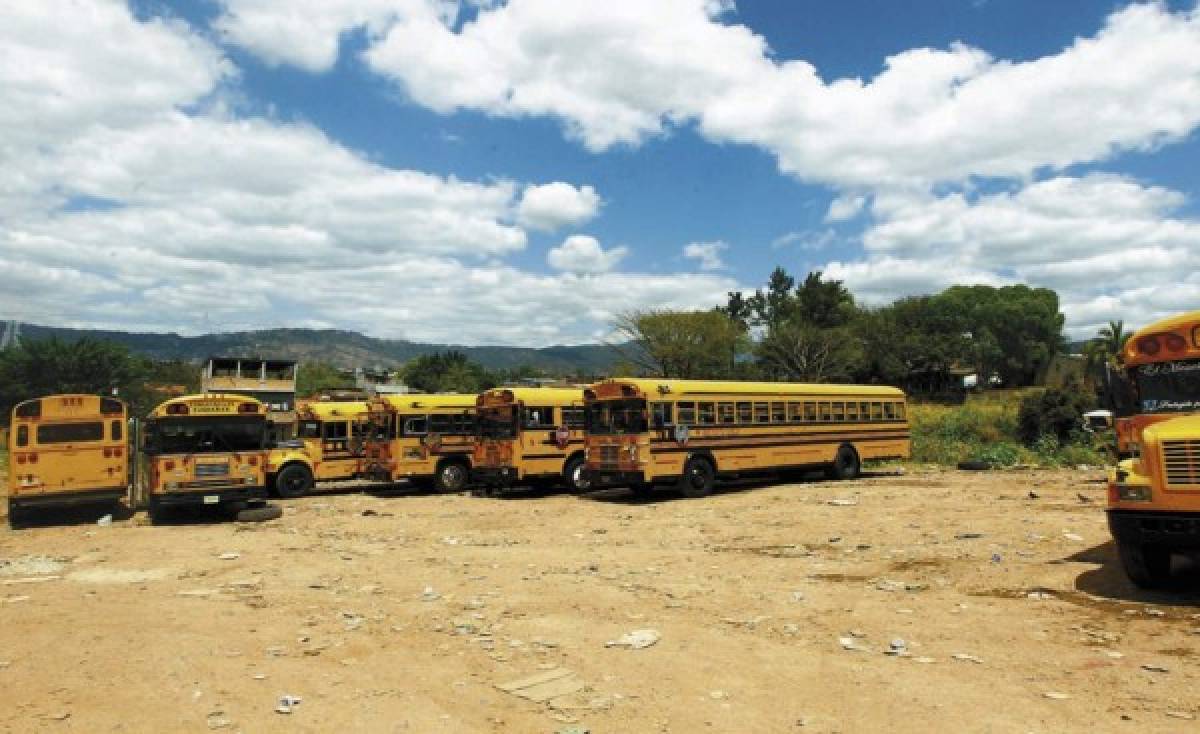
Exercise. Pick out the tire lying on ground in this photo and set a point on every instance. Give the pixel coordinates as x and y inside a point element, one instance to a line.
<point>976,465</point>
<point>259,513</point>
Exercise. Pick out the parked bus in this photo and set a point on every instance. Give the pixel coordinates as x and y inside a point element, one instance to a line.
<point>329,446</point>
<point>642,432</point>
<point>64,450</point>
<point>426,439</point>
<point>530,434</point>
<point>204,450</point>
<point>1154,497</point>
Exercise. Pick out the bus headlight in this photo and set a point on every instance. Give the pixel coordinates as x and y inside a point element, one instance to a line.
<point>1133,492</point>
<point>171,486</point>
<point>633,452</point>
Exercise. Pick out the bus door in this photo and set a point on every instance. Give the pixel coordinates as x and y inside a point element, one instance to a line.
<point>539,452</point>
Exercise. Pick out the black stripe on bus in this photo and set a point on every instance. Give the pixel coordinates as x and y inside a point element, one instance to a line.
<point>826,435</point>
<point>692,447</point>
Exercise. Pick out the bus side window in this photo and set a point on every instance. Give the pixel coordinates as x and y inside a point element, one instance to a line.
<point>335,431</point>
<point>889,411</point>
<point>762,412</point>
<point>876,411</point>
<point>839,412</point>
<point>779,412</point>
<point>899,411</point>
<point>22,435</point>
<point>852,412</point>
<point>708,413</point>
<point>810,412</point>
<point>864,412</point>
<point>539,417</point>
<point>725,413</point>
<point>660,414</point>
<point>415,426</point>
<point>795,412</point>
<point>116,430</point>
<point>745,413</point>
<point>687,413</point>
<point>825,412</point>
<point>573,417</point>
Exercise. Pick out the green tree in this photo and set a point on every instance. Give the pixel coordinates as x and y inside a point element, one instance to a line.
<point>800,351</point>
<point>86,366</point>
<point>680,344</point>
<point>450,371</point>
<point>315,377</point>
<point>1111,339</point>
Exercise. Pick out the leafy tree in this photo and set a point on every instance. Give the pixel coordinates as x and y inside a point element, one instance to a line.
<point>803,352</point>
<point>315,377</point>
<point>86,366</point>
<point>1111,340</point>
<point>450,371</point>
<point>681,344</point>
<point>1053,412</point>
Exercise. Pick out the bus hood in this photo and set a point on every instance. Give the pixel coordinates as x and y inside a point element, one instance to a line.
<point>1187,426</point>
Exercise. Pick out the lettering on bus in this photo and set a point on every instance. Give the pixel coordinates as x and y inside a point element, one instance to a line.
<point>212,407</point>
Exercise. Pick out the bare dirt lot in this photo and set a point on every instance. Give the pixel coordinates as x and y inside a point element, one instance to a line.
<point>775,607</point>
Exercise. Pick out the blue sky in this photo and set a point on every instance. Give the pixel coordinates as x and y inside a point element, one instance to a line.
<point>523,172</point>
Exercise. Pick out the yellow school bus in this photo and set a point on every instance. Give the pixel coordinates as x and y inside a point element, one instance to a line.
<point>529,435</point>
<point>66,449</point>
<point>1154,497</point>
<point>329,446</point>
<point>426,439</point>
<point>204,450</point>
<point>643,432</point>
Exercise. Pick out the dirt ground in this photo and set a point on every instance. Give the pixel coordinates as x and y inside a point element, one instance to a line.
<point>775,606</point>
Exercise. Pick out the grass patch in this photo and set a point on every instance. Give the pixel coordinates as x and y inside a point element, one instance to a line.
<point>985,429</point>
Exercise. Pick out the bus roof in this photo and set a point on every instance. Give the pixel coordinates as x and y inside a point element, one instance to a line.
<point>212,401</point>
<point>651,388</point>
<point>70,404</point>
<point>421,402</point>
<point>1184,325</point>
<point>533,395</point>
<point>324,410</point>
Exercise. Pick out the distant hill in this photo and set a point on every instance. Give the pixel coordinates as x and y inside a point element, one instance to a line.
<point>337,347</point>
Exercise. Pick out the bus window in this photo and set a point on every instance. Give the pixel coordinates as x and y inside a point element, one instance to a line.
<point>779,412</point>
<point>810,412</point>
<point>116,430</point>
<point>762,412</point>
<point>22,435</point>
<point>725,413</point>
<point>70,433</point>
<point>538,417</point>
<point>574,417</point>
<point>660,413</point>
<point>335,431</point>
<point>309,429</point>
<point>415,426</point>
<point>899,411</point>
<point>876,411</point>
<point>708,414</point>
<point>687,413</point>
<point>839,412</point>
<point>464,424</point>
<point>795,412</point>
<point>889,411</point>
<point>852,412</point>
<point>108,406</point>
<point>825,412</point>
<point>864,412</point>
<point>745,413</point>
<point>32,409</point>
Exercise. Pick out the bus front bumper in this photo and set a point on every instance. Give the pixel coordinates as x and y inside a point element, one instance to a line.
<point>197,498</point>
<point>613,477</point>
<point>1173,529</point>
<point>67,498</point>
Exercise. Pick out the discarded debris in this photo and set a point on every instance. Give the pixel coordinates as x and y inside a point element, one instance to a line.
<point>544,686</point>
<point>843,502</point>
<point>1056,696</point>
<point>229,556</point>
<point>966,658</point>
<point>636,640</point>
<point>287,703</point>
<point>105,521</point>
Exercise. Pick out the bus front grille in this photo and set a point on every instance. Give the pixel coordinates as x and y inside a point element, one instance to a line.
<point>608,455</point>
<point>212,470</point>
<point>1181,463</point>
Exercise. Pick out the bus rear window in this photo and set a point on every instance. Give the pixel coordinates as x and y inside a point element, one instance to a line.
<point>70,433</point>
<point>22,435</point>
<point>32,409</point>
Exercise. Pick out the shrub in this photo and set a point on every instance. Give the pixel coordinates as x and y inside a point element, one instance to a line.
<point>1054,413</point>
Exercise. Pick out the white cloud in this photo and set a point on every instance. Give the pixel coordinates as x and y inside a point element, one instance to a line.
<point>583,254</point>
<point>708,254</point>
<point>1097,240</point>
<point>555,205</point>
<point>622,71</point>
<point>212,220</point>
<point>845,207</point>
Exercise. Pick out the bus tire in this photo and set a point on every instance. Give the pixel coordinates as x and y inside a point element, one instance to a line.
<point>1147,566</point>
<point>260,513</point>
<point>293,480</point>
<point>574,476</point>
<point>17,517</point>
<point>846,464</point>
<point>453,475</point>
<point>641,490</point>
<point>698,477</point>
<point>158,514</point>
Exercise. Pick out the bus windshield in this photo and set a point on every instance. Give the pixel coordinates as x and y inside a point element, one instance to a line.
<point>610,417</point>
<point>1169,387</point>
<point>498,423</point>
<point>205,435</point>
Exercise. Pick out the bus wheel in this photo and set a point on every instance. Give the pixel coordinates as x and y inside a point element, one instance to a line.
<point>158,514</point>
<point>16,516</point>
<point>260,513</point>
<point>641,490</point>
<point>452,476</point>
<point>698,477</point>
<point>574,475</point>
<point>845,465</point>
<point>294,480</point>
<point>1148,566</point>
